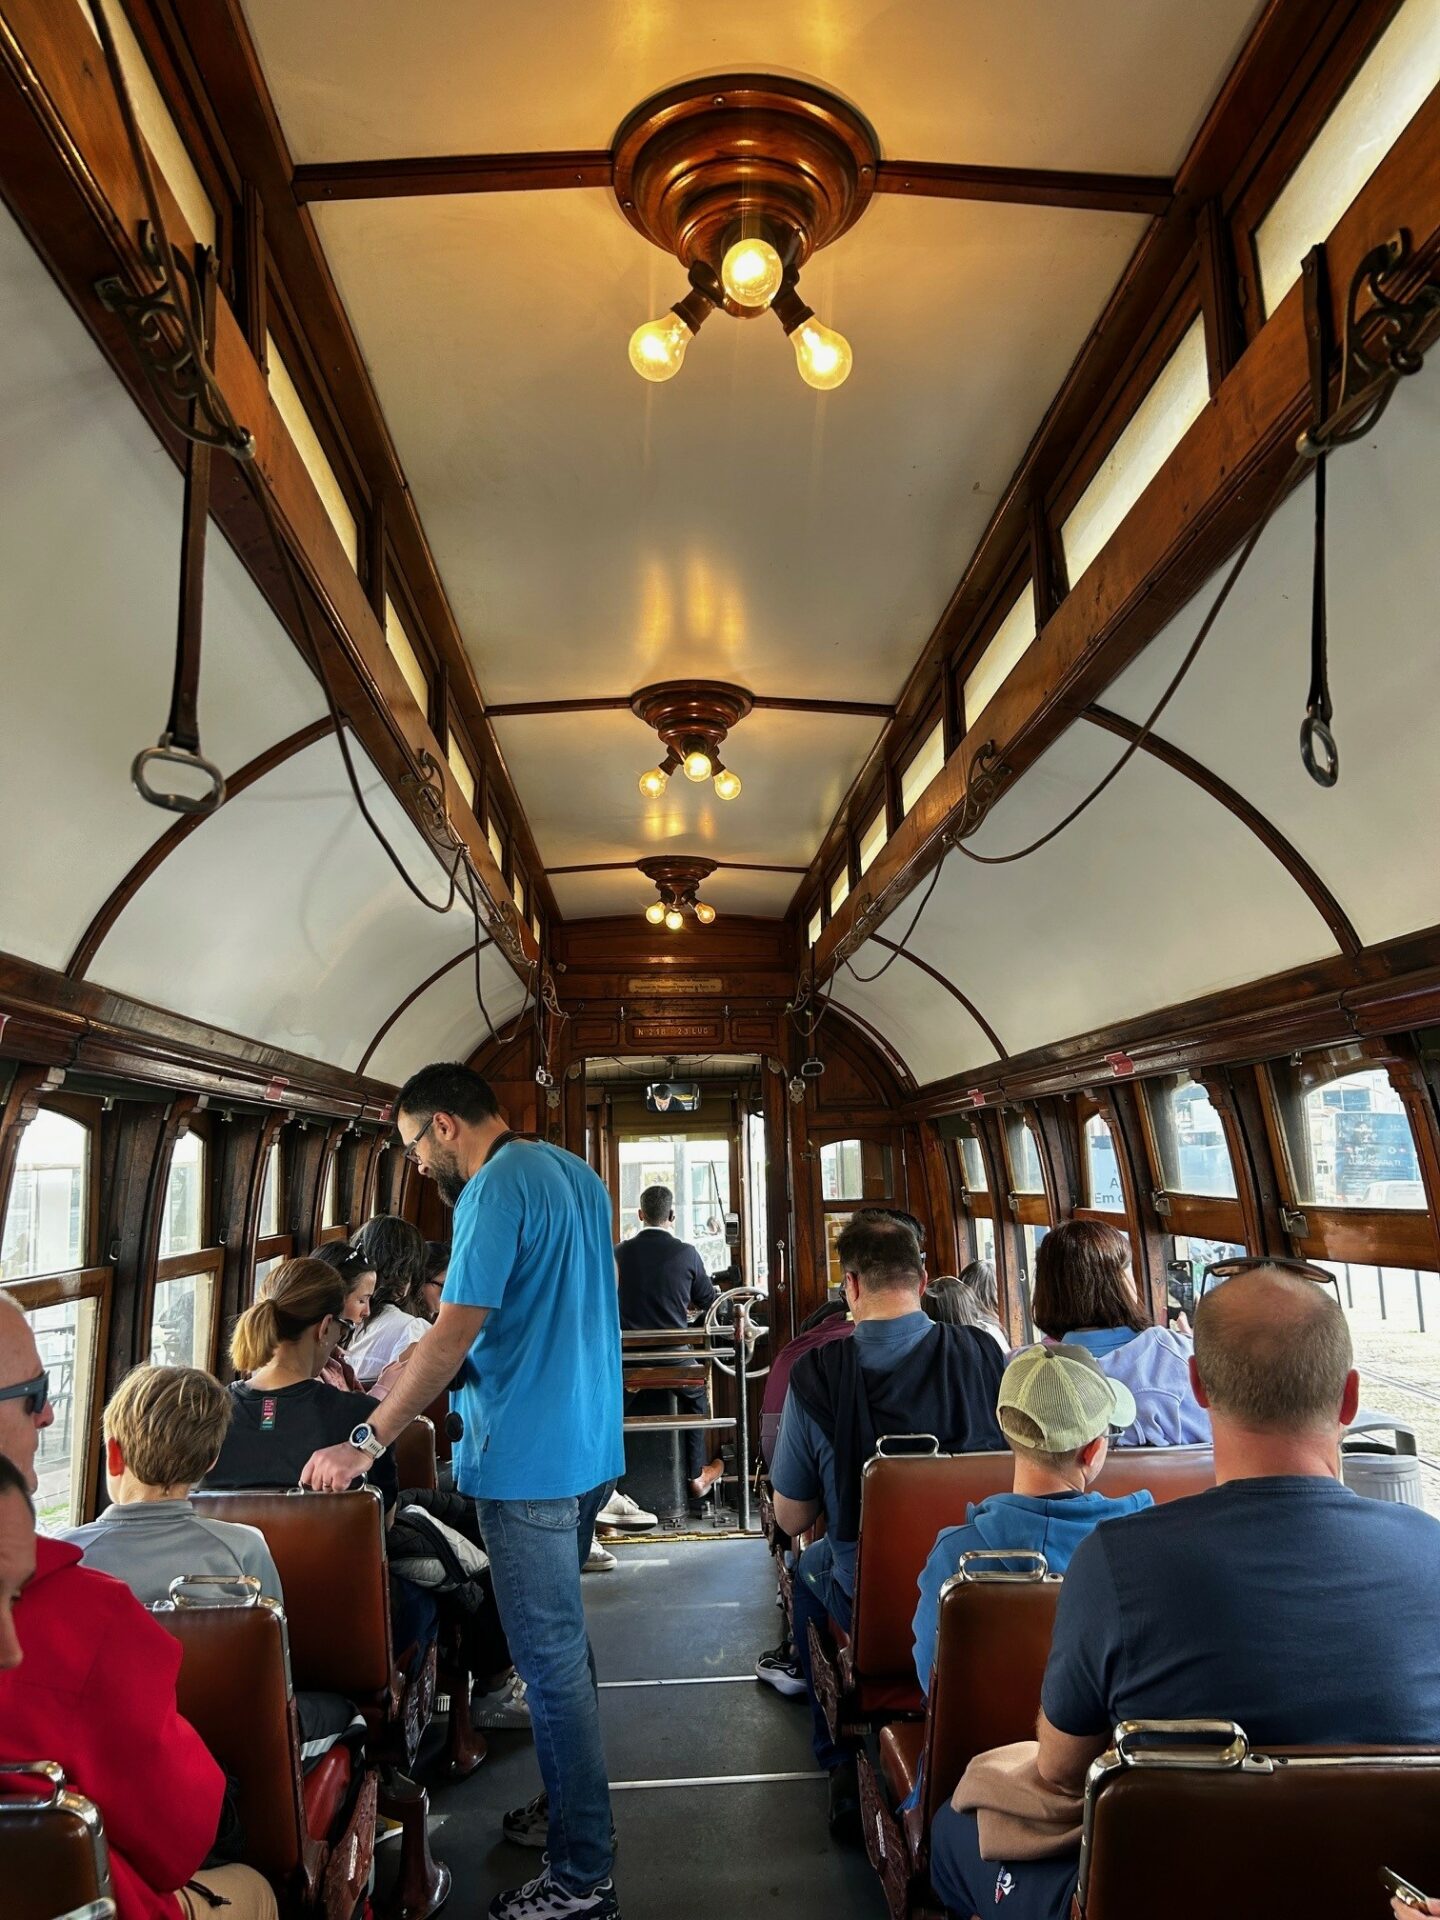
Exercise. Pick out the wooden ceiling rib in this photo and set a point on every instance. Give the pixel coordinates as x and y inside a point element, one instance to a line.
<point>621,702</point>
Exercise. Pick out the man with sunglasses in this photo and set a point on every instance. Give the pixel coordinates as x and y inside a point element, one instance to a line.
<point>25,1409</point>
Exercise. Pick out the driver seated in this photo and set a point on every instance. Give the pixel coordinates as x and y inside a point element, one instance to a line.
<point>662,1282</point>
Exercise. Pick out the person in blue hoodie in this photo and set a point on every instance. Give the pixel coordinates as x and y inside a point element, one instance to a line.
<point>1057,1410</point>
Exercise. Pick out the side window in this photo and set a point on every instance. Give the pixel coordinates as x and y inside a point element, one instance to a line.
<point>1103,1189</point>
<point>853,1173</point>
<point>271,1245</point>
<point>187,1272</point>
<point>46,1218</point>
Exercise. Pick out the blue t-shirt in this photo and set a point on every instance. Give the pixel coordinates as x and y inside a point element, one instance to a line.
<point>1291,1606</point>
<point>1100,1340</point>
<point>804,1464</point>
<point>540,1392</point>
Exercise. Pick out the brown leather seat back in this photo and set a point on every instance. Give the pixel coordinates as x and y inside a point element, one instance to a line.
<point>415,1456</point>
<point>329,1549</point>
<point>1169,1473</point>
<point>234,1689</point>
<point>1288,1833</point>
<point>991,1649</point>
<point>53,1856</point>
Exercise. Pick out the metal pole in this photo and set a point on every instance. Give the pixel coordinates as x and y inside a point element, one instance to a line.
<point>742,1417</point>
<point>1349,1287</point>
<point>1380,1276</point>
<point>1419,1300</point>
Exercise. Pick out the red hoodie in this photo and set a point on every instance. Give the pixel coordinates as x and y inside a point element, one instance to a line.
<point>96,1691</point>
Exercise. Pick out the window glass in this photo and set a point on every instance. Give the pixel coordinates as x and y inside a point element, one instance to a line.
<point>1025,1174</point>
<point>1190,1138</point>
<point>1102,1169</point>
<point>697,1172</point>
<point>757,1219</point>
<point>1009,641</point>
<point>331,1215</point>
<point>517,893</point>
<point>45,1220</point>
<point>984,1238</point>
<point>1394,1316</point>
<point>270,1194</point>
<point>835,1225</point>
<point>1348,1133</point>
<point>839,890</point>
<point>1186,1268</point>
<point>872,840</point>
<point>406,657</point>
<point>1030,1245</point>
<point>923,768</point>
<point>816,927</point>
<point>180,1321</point>
<point>66,1336</point>
<point>263,1271</point>
<point>854,1170</point>
<point>182,1229</point>
<point>535,928</point>
<point>1377,106</point>
<point>972,1164</point>
<point>495,834</point>
<point>461,768</point>
<point>291,409</point>
<point>1181,390</point>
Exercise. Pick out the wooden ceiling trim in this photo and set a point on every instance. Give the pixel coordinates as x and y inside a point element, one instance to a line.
<point>624,702</point>
<point>66,174</point>
<point>1027,186</point>
<point>631,866</point>
<point>223,56</point>
<point>1390,988</point>
<point>155,856</point>
<point>1265,830</point>
<point>51,1020</point>
<point>447,966</point>
<point>1206,498</point>
<point>453,173</point>
<point>943,980</point>
<point>1280,59</point>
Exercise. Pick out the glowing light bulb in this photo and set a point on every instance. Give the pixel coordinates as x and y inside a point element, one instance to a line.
<point>655,912</point>
<point>658,348</point>
<point>674,919</point>
<point>822,355</point>
<point>751,273</point>
<point>704,913</point>
<point>727,784</point>
<point>653,783</point>
<point>698,765</point>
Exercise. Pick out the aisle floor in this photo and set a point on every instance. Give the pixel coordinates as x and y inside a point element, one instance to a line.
<point>695,1613</point>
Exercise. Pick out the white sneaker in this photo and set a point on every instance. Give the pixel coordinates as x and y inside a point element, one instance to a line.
<point>625,1515</point>
<point>506,1707</point>
<point>599,1559</point>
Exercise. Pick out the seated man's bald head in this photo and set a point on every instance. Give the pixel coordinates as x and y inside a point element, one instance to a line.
<point>1273,1352</point>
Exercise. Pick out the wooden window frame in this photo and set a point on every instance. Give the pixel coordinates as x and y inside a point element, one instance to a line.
<point>88,1113</point>
<point>1199,1216</point>
<point>1027,1208</point>
<point>56,1290</point>
<point>1088,1107</point>
<point>179,1266</point>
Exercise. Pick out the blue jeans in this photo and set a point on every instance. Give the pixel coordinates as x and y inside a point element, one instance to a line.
<point>536,1548</point>
<point>818,1597</point>
<point>968,1885</point>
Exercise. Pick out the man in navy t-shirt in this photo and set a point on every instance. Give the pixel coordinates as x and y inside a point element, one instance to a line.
<point>1278,1599</point>
<point>529,1320</point>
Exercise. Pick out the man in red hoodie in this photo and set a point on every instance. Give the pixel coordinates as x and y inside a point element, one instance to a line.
<point>87,1679</point>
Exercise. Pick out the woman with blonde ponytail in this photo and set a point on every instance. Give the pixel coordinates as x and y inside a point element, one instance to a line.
<point>283,1410</point>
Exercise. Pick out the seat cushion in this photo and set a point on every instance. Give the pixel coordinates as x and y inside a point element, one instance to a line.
<point>890,1693</point>
<point>901,1745</point>
<point>323,1791</point>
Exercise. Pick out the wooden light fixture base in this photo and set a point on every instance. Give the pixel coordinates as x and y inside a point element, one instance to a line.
<point>677,876</point>
<point>693,163</point>
<point>683,710</point>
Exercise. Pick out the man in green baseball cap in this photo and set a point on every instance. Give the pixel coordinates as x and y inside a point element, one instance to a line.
<point>1057,1410</point>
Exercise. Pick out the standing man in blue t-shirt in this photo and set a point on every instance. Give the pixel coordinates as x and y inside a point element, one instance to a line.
<point>528,1319</point>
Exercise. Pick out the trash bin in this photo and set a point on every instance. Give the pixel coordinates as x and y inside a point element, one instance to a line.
<point>1381,1468</point>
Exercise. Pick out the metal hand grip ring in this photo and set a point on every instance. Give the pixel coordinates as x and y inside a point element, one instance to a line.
<point>1324,770</point>
<point>740,1295</point>
<point>177,757</point>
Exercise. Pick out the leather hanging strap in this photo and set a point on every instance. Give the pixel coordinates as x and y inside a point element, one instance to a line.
<point>1317,743</point>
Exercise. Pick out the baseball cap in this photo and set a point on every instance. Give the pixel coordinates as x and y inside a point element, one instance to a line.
<point>1067,1396</point>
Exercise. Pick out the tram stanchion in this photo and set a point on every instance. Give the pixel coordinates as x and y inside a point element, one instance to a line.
<point>742,1416</point>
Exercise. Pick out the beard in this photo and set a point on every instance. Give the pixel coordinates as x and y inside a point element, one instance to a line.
<point>448,1179</point>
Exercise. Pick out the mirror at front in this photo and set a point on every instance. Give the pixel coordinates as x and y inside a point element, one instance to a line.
<point>673,1096</point>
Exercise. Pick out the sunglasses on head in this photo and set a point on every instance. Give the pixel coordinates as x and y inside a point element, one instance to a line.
<point>34,1393</point>
<point>1227,1270</point>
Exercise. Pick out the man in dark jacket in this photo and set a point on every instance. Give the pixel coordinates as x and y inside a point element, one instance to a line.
<point>900,1373</point>
<point>662,1282</point>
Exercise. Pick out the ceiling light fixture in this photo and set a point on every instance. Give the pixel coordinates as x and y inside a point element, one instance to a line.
<point>692,718</point>
<point>743,177</point>
<point>677,879</point>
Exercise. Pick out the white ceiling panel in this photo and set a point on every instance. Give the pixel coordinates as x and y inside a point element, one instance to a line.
<point>1155,896</point>
<point>444,1022</point>
<point>282,919</point>
<point>1371,837</point>
<point>89,579</point>
<point>595,532</point>
<point>577,773</point>
<point>927,1026</point>
<point>584,896</point>
<point>1034,85</point>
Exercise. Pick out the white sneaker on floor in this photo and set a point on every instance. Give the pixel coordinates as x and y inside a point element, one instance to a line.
<point>506,1707</point>
<point>541,1899</point>
<point>599,1559</point>
<point>625,1515</point>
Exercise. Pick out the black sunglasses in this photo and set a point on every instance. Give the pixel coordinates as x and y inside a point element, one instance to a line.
<point>35,1393</point>
<point>1227,1269</point>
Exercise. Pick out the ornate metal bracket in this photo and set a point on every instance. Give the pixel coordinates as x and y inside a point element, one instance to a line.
<point>987,774</point>
<point>1369,374</point>
<point>168,339</point>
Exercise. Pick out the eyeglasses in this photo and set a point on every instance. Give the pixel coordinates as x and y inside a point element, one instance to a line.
<point>410,1153</point>
<point>348,1330</point>
<point>35,1393</point>
<point>1227,1270</point>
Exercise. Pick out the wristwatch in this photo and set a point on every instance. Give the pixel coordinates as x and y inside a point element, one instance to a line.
<point>365,1440</point>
